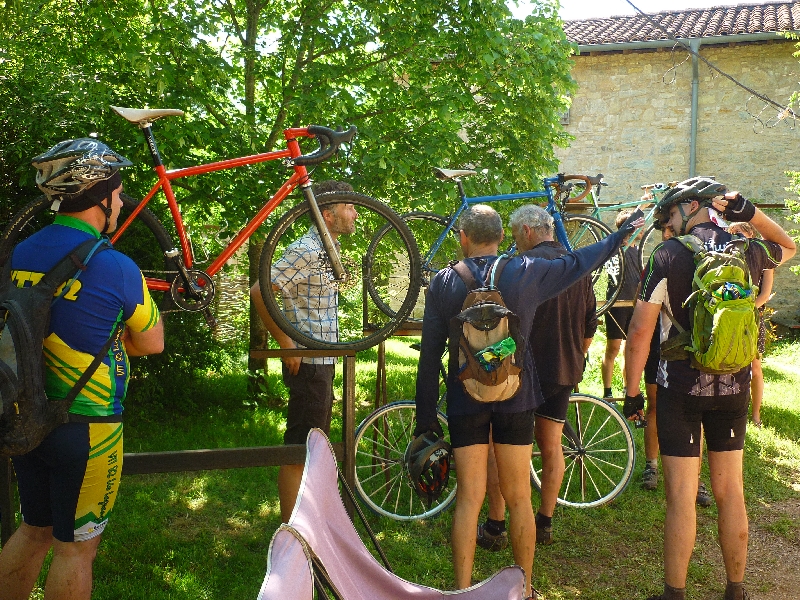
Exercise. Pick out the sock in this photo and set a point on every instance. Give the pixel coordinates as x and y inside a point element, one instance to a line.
<point>653,464</point>
<point>543,521</point>
<point>734,591</point>
<point>671,593</point>
<point>607,393</point>
<point>494,527</point>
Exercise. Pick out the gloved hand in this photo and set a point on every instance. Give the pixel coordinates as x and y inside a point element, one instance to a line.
<point>633,408</point>
<point>632,223</point>
<point>738,209</point>
<point>434,427</point>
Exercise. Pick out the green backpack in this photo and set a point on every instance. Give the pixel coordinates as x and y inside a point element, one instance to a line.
<point>723,335</point>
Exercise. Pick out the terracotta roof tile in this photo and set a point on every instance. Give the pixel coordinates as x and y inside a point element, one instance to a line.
<point>690,23</point>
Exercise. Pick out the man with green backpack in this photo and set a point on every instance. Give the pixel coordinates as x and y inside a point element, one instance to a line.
<point>702,284</point>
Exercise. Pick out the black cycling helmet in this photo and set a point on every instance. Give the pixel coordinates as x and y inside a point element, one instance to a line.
<point>702,189</point>
<point>71,167</point>
<point>427,461</point>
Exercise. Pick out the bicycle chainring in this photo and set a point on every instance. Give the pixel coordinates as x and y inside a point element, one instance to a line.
<point>200,293</point>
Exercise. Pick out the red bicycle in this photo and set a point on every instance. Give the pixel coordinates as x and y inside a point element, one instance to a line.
<point>172,271</point>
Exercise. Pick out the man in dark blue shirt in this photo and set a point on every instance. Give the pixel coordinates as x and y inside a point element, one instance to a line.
<point>524,283</point>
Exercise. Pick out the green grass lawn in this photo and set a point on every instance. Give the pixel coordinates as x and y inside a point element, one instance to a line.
<point>205,534</point>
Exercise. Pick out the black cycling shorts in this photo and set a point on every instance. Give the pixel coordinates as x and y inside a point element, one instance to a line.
<point>556,402</point>
<point>679,416</point>
<point>310,401</point>
<point>617,320</point>
<point>514,429</point>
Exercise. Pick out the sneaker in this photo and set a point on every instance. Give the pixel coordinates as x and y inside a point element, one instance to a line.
<point>650,478</point>
<point>495,543</point>
<point>544,535</point>
<point>704,499</point>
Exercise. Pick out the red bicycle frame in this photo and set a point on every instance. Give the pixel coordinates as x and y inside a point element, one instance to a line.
<point>165,178</point>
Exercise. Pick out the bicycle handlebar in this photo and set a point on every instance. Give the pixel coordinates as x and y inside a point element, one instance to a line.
<point>587,179</point>
<point>329,142</point>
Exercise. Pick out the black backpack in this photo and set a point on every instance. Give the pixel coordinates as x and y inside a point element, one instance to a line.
<point>486,348</point>
<point>26,414</point>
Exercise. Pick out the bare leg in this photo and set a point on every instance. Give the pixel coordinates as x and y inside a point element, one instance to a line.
<point>497,504</point>
<point>513,466</point>
<point>21,560</point>
<point>607,367</point>
<point>548,439</point>
<point>757,390</point>
<point>651,431</point>
<point>289,479</point>
<point>680,524</point>
<point>728,488</point>
<point>471,480</point>
<point>70,575</point>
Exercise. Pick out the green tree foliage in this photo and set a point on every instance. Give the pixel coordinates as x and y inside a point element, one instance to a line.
<point>455,83</point>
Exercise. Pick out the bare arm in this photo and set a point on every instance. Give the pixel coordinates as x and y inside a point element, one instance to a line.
<point>766,287</point>
<point>637,346</point>
<point>141,343</point>
<point>768,228</point>
<point>284,341</point>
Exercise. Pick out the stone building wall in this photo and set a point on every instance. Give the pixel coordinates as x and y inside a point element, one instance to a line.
<point>631,118</point>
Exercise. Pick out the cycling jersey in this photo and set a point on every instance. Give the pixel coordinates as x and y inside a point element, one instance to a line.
<point>110,290</point>
<point>667,280</point>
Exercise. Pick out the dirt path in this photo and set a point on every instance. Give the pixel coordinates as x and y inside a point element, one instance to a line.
<point>773,561</point>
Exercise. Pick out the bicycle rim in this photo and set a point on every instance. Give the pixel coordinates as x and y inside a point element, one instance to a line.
<point>382,481</point>
<point>426,229</point>
<point>144,241</point>
<point>393,270</point>
<point>599,456</point>
<point>607,280</point>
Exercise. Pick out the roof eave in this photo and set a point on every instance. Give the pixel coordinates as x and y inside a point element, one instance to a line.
<point>705,41</point>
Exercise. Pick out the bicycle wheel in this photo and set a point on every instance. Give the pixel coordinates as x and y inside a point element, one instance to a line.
<point>598,451</point>
<point>145,240</point>
<point>395,266</point>
<point>583,231</point>
<point>382,481</point>
<point>426,228</point>
<point>650,239</point>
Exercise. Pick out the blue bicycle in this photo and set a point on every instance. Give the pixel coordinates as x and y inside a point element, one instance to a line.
<point>438,242</point>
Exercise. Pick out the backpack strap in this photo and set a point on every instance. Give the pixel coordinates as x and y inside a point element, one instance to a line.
<point>496,271</point>
<point>464,272</point>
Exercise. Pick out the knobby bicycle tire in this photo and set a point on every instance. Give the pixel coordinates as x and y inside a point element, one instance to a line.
<point>395,265</point>
<point>145,241</point>
<point>607,280</point>
<point>382,481</point>
<point>599,457</point>
<point>426,227</point>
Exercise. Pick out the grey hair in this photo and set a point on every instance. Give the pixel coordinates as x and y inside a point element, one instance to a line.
<point>481,224</point>
<point>533,216</point>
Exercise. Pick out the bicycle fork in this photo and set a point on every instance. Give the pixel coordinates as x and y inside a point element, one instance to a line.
<point>327,241</point>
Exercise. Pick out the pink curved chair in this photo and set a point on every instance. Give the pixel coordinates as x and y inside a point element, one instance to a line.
<point>289,568</point>
<point>319,517</point>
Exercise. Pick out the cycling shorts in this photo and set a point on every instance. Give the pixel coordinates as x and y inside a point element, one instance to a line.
<point>679,417</point>
<point>556,402</point>
<point>617,320</point>
<point>514,429</point>
<point>70,481</point>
